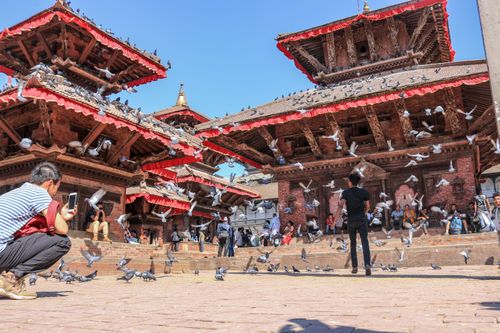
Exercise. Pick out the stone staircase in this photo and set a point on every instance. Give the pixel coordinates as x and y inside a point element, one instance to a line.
<point>432,248</point>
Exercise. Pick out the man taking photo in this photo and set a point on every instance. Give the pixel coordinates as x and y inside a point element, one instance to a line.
<point>32,230</point>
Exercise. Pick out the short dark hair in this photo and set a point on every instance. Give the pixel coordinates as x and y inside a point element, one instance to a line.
<point>43,172</point>
<point>354,178</point>
<point>496,194</point>
<point>290,223</point>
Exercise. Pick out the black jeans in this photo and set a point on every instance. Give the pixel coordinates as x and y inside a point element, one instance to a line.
<point>33,253</point>
<point>360,227</point>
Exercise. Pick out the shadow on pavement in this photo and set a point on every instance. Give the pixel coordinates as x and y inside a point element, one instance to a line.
<point>316,326</point>
<point>491,305</point>
<point>378,276</point>
<point>49,294</point>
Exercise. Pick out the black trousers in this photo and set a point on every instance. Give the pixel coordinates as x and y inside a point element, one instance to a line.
<point>33,253</point>
<point>360,227</point>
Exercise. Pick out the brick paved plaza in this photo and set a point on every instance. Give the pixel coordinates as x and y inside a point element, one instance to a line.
<point>454,299</point>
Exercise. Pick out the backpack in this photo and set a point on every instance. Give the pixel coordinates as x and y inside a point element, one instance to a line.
<point>456,223</point>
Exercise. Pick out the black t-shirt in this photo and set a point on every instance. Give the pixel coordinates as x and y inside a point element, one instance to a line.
<point>355,198</point>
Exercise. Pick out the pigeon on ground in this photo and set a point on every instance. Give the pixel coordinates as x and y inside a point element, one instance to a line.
<point>303,255</point>
<point>129,275</point>
<point>196,272</point>
<point>219,275</point>
<point>33,278</point>
<point>170,259</point>
<point>295,270</point>
<point>434,266</point>
<point>328,268</point>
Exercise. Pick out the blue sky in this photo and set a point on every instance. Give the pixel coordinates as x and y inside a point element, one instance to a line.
<point>224,51</point>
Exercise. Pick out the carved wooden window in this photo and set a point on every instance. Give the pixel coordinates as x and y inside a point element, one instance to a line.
<point>363,52</point>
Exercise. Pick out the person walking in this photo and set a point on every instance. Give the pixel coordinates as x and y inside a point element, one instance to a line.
<point>357,201</point>
<point>223,237</point>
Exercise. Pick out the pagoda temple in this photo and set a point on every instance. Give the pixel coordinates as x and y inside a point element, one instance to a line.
<point>388,100</point>
<point>60,110</point>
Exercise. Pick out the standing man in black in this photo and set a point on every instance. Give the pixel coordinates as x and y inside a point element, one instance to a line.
<point>357,201</point>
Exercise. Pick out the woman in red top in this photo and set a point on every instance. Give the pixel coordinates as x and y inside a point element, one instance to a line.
<point>288,233</point>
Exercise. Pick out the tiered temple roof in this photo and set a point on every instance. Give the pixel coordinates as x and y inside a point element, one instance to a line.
<point>354,46</point>
<point>75,45</point>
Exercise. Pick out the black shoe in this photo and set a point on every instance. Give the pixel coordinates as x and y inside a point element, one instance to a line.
<point>354,270</point>
<point>368,271</point>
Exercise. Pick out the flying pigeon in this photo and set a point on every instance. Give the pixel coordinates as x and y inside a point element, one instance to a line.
<point>95,198</point>
<point>427,126</point>
<point>353,148</point>
<point>471,138</point>
<point>26,143</point>
<point>442,182</point>
<point>389,145</point>
<point>418,157</point>
<point>89,257</point>
<point>106,72</point>
<point>451,169</point>
<point>439,109</point>
<point>411,163</point>
<point>466,255</point>
<point>162,215</point>
<point>331,184</point>
<point>412,179</point>
<point>437,149</point>
<point>468,115</point>
<point>306,188</point>
<point>496,145</point>
<point>122,219</point>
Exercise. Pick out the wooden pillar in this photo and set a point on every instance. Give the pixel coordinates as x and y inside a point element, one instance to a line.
<point>311,140</point>
<point>452,121</point>
<point>376,128</point>
<point>264,133</point>
<point>406,127</point>
<point>371,40</point>
<point>418,30</point>
<point>9,130</point>
<point>133,137</point>
<point>329,52</point>
<point>318,66</point>
<point>393,34</point>
<point>351,49</point>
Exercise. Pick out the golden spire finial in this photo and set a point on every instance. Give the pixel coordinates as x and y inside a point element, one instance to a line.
<point>181,98</point>
<point>366,8</point>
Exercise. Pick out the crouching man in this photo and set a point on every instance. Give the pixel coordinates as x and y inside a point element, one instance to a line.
<point>33,230</point>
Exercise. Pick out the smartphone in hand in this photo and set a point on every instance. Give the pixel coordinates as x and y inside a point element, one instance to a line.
<point>72,202</point>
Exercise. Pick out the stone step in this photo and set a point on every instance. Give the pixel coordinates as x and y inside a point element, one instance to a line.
<point>438,249</point>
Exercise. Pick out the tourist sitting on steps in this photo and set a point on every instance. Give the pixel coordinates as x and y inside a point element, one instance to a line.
<point>408,217</point>
<point>32,230</point>
<point>397,218</point>
<point>456,222</point>
<point>97,222</point>
<point>128,236</point>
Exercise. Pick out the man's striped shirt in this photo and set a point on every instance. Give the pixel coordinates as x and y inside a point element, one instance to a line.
<point>19,206</point>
